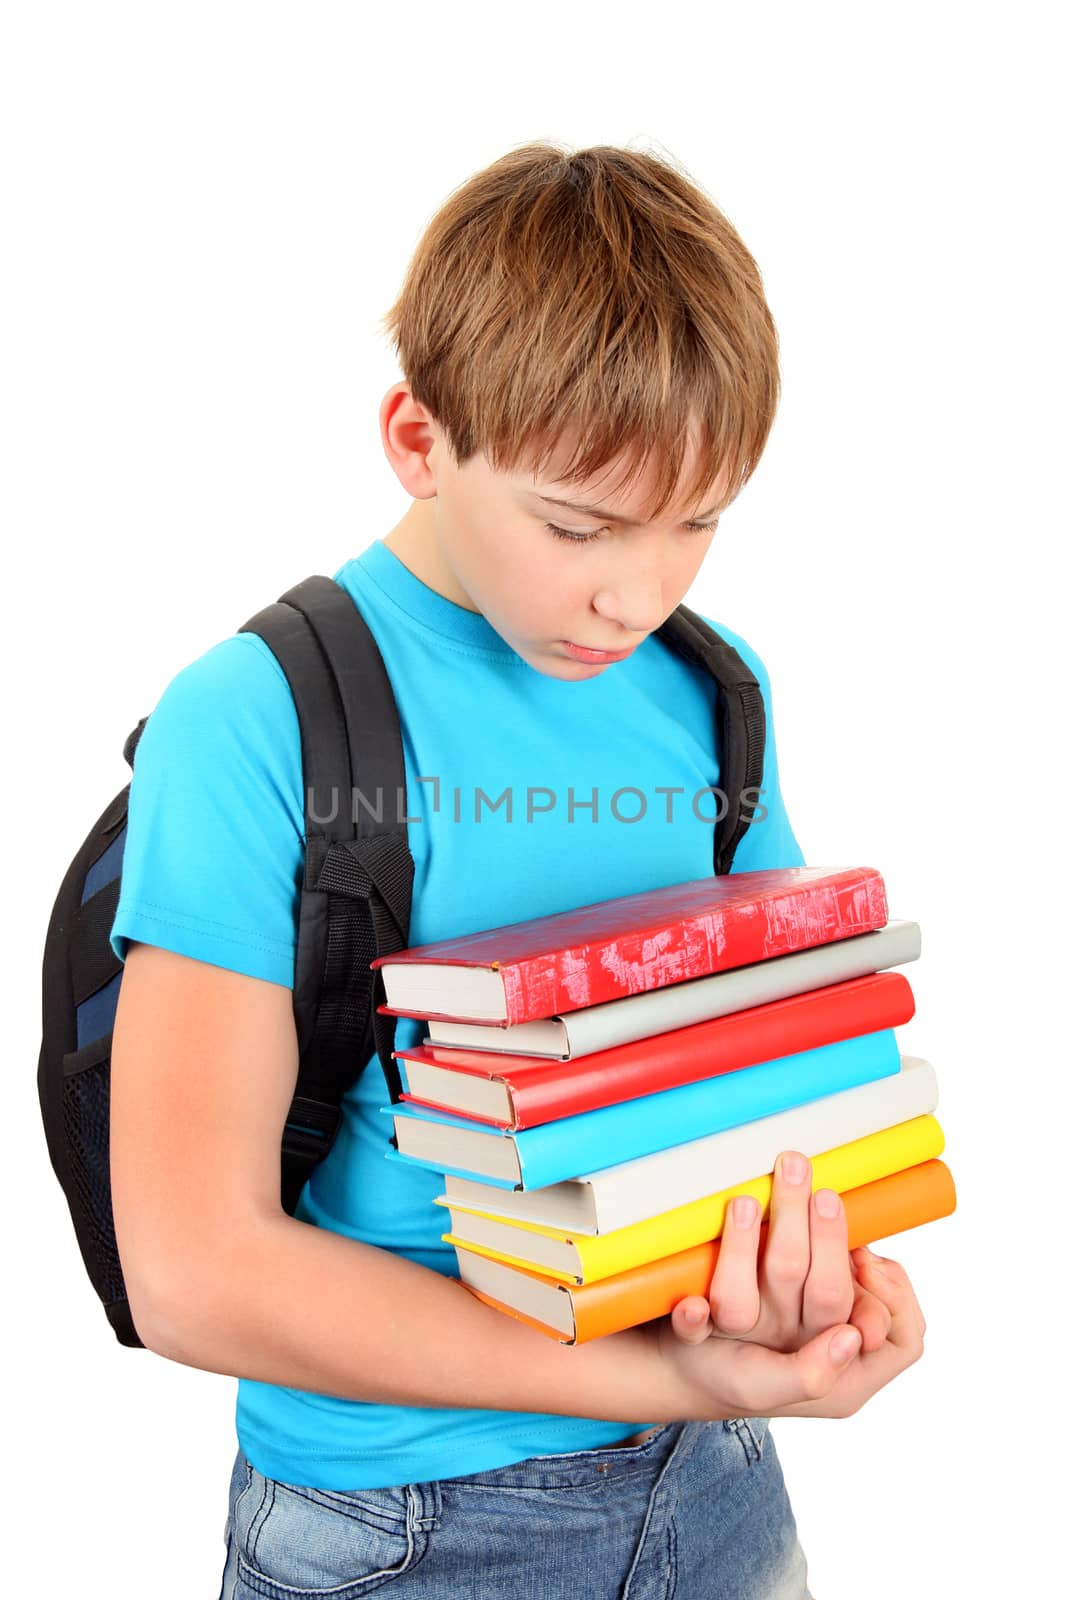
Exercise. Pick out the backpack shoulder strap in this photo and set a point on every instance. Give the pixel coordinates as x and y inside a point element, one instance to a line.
<point>355,901</point>
<point>741,723</point>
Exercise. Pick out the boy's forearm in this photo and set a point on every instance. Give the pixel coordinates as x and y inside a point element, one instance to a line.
<point>305,1308</point>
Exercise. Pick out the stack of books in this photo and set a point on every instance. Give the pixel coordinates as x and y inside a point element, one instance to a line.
<point>597,1085</point>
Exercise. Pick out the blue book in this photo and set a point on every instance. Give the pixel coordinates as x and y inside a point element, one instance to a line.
<point>556,1151</point>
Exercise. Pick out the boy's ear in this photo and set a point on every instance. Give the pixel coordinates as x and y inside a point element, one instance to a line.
<point>409,433</point>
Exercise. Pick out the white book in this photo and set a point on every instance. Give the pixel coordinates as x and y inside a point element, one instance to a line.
<point>615,1197</point>
<point>640,1016</point>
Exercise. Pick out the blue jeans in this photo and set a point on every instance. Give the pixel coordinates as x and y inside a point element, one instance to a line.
<point>699,1511</point>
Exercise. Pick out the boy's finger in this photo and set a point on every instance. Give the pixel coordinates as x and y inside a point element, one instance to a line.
<point>734,1293</point>
<point>891,1284</point>
<point>766,1381</point>
<point>690,1320</point>
<point>872,1317</point>
<point>787,1252</point>
<point>828,1289</point>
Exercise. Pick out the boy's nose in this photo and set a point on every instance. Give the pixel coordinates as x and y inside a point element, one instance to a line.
<point>635,606</point>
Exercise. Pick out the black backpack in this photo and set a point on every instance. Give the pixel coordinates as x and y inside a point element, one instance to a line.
<point>355,903</point>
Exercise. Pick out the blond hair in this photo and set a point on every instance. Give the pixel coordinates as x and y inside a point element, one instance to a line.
<point>600,295</point>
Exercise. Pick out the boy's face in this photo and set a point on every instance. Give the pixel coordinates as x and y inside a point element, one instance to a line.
<point>482,539</point>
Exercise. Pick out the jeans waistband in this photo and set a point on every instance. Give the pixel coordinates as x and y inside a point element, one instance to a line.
<point>569,1469</point>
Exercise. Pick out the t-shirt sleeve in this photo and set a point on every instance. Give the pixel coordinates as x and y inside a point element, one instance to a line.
<point>214,851</point>
<point>768,842</point>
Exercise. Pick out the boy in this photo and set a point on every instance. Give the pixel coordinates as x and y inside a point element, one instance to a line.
<point>590,375</point>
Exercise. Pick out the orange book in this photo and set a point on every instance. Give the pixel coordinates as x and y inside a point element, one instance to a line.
<point>574,1314</point>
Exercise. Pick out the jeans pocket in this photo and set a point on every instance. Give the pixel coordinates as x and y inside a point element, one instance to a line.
<point>297,1543</point>
<point>750,1433</point>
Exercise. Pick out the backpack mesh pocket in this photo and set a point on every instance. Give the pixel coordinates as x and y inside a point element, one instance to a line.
<point>86,1123</point>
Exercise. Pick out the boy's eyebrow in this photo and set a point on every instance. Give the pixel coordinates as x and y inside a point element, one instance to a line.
<point>616,516</point>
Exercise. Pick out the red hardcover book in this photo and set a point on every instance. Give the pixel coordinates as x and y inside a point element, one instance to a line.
<point>572,959</point>
<point>524,1091</point>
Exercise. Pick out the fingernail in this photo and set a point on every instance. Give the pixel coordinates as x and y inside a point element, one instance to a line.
<point>794,1167</point>
<point>693,1315</point>
<point>843,1346</point>
<point>745,1210</point>
<point>827,1203</point>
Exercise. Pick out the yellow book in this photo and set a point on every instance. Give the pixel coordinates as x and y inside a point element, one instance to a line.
<point>573,1258</point>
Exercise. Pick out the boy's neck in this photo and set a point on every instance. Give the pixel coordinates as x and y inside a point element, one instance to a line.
<point>414,543</point>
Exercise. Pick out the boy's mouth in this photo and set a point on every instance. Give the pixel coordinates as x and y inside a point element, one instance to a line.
<point>595,657</point>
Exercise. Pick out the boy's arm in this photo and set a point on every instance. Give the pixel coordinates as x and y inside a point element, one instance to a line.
<point>218,1276</point>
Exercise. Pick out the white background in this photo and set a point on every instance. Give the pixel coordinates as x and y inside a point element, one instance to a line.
<point>207,209</point>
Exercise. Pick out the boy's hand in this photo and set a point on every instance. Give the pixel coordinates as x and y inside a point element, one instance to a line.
<point>825,1377</point>
<point>871,1371</point>
<point>804,1280</point>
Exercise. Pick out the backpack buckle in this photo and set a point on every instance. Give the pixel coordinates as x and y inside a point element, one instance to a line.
<point>310,1128</point>
<point>308,1135</point>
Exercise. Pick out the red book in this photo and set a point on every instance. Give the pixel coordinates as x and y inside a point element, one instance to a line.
<point>572,959</point>
<point>524,1091</point>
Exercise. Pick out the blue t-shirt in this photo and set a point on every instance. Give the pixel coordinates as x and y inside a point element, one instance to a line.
<point>212,869</point>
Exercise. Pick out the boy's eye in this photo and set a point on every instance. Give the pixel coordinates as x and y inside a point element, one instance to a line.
<point>578,537</point>
<point>575,535</point>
